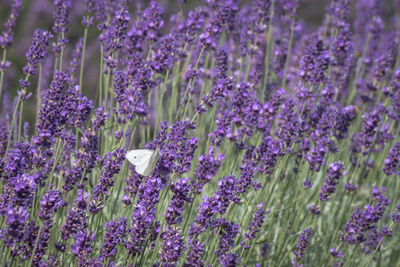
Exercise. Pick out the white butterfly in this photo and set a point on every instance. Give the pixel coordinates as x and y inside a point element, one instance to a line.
<point>144,160</point>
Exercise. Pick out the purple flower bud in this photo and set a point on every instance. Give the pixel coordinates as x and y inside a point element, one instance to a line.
<point>181,189</point>
<point>334,173</point>
<point>172,247</point>
<point>115,232</point>
<point>37,51</point>
<point>206,168</point>
<point>254,226</point>
<point>392,161</point>
<point>82,247</point>
<point>7,35</point>
<point>302,243</point>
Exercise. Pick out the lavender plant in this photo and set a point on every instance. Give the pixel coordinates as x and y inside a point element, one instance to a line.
<point>278,139</point>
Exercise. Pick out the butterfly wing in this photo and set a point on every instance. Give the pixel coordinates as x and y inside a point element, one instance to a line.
<point>140,158</point>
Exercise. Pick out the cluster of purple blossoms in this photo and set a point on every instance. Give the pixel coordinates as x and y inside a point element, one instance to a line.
<point>76,220</point>
<point>132,186</point>
<point>396,215</point>
<point>218,23</point>
<point>181,189</point>
<point>176,148</point>
<point>113,37</point>
<point>227,232</point>
<point>61,14</point>
<point>392,161</point>
<point>143,216</point>
<point>302,243</point>
<point>112,165</point>
<point>172,247</point>
<point>49,204</point>
<point>37,52</point>
<point>115,233</point>
<point>7,35</point>
<point>314,62</point>
<point>334,173</point>
<point>196,250</point>
<point>206,168</point>
<point>363,220</point>
<point>82,247</point>
<point>254,226</point>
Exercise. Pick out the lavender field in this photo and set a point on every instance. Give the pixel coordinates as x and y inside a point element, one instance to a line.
<point>276,124</point>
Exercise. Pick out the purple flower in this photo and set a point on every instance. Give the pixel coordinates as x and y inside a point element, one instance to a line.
<point>115,232</point>
<point>302,243</point>
<point>314,209</point>
<point>152,21</point>
<point>75,61</point>
<point>363,220</point>
<point>76,220</point>
<point>396,215</point>
<point>83,246</point>
<point>7,35</point>
<point>50,120</point>
<point>75,108</point>
<point>206,210</point>
<point>132,186</point>
<point>196,250</point>
<point>20,159</point>
<point>114,36</point>
<point>181,189</point>
<point>217,24</point>
<point>307,184</point>
<point>254,226</point>
<point>61,14</point>
<point>207,167</point>
<point>49,204</point>
<point>229,260</point>
<point>247,171</point>
<point>172,246</point>
<point>226,193</point>
<point>165,54</point>
<point>334,173</point>
<point>143,215</point>
<point>374,239</point>
<point>15,224</point>
<point>268,152</point>
<point>392,161</point>
<point>350,187</point>
<point>227,232</point>
<point>176,148</point>
<point>314,62</point>
<point>336,253</point>
<point>37,51</point>
<point>112,165</point>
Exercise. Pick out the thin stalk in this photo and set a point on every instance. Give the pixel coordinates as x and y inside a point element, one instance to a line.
<point>39,93</point>
<point>12,126</point>
<point>36,243</point>
<point>160,104</point>
<point>20,121</point>
<point>268,49</point>
<point>288,54</point>
<point>3,60</point>
<point>83,58</point>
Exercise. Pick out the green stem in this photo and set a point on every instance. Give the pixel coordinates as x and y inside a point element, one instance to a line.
<point>3,60</point>
<point>12,126</point>
<point>83,58</point>
<point>268,49</point>
<point>288,54</point>
<point>39,93</point>
<point>20,121</point>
